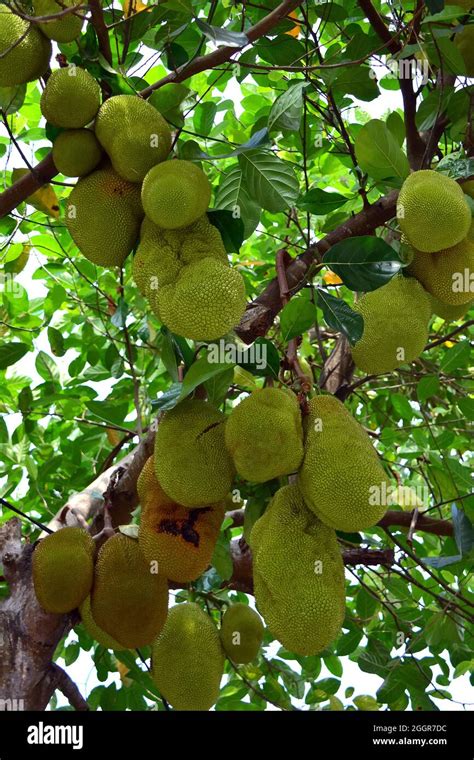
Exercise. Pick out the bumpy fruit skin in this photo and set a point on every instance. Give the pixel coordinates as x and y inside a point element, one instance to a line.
<point>94,630</point>
<point>187,659</point>
<point>25,61</point>
<point>71,98</point>
<point>449,312</point>
<point>103,215</point>
<point>465,43</point>
<point>129,601</point>
<point>134,134</point>
<point>191,461</point>
<point>447,275</point>
<point>63,569</point>
<point>341,479</point>
<point>241,633</point>
<point>264,435</point>
<point>206,301</point>
<point>396,320</point>
<point>175,194</point>
<point>179,539</point>
<point>76,152</point>
<point>432,211</point>
<point>64,29</point>
<point>298,574</point>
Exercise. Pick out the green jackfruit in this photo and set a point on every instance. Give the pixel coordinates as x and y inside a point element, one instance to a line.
<point>28,51</point>
<point>432,211</point>
<point>187,659</point>
<point>396,318</point>
<point>298,574</point>
<point>179,539</point>
<point>94,630</point>
<point>129,601</point>
<point>134,134</point>
<point>241,633</point>
<point>264,435</point>
<point>206,301</point>
<point>449,312</point>
<point>341,478</point>
<point>175,194</point>
<point>464,40</point>
<point>64,29</point>
<point>63,569</point>
<point>76,152</point>
<point>191,461</point>
<point>447,275</point>
<point>103,216</point>
<point>71,98</point>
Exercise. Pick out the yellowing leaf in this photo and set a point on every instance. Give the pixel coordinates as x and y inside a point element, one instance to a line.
<point>123,671</point>
<point>44,199</point>
<point>296,29</point>
<point>131,7</point>
<point>332,279</point>
<point>113,436</point>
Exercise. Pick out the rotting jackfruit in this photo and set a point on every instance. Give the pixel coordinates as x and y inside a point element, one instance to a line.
<point>76,152</point>
<point>64,29</point>
<point>63,568</point>
<point>432,211</point>
<point>191,461</point>
<point>447,275</point>
<point>264,435</point>
<point>396,318</point>
<point>188,659</point>
<point>71,98</point>
<point>298,574</point>
<point>24,53</point>
<point>134,135</point>
<point>103,216</point>
<point>175,194</point>
<point>241,633</point>
<point>129,599</point>
<point>341,478</point>
<point>181,540</point>
<point>94,630</point>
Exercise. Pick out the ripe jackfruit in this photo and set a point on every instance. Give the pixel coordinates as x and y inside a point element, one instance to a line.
<point>449,312</point>
<point>129,601</point>
<point>464,40</point>
<point>447,275</point>
<point>241,633</point>
<point>71,98</point>
<point>24,54</point>
<point>187,659</point>
<point>63,569</point>
<point>179,539</point>
<point>432,211</point>
<point>64,29</point>
<point>264,435</point>
<point>396,320</point>
<point>134,134</point>
<point>206,301</point>
<point>103,217</point>
<point>341,478</point>
<point>76,152</point>
<point>298,574</point>
<point>175,194</point>
<point>94,630</point>
<point>191,461</point>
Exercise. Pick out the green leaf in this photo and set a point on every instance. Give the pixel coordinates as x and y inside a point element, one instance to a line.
<point>390,690</point>
<point>348,642</point>
<point>320,202</point>
<point>287,110</point>
<point>455,357</point>
<point>357,81</point>
<point>463,531</point>
<point>198,373</point>
<point>10,353</point>
<point>270,181</point>
<point>204,116</point>
<point>46,367</point>
<point>233,195</point>
<point>231,228</point>
<point>340,316</point>
<point>120,314</point>
<point>168,399</point>
<point>12,98</point>
<point>109,410</point>
<point>427,387</point>
<point>261,359</point>
<point>330,11</point>
<point>56,342</point>
<point>223,36</point>
<point>254,509</point>
<point>366,604</point>
<point>363,263</point>
<point>379,153</point>
<point>296,317</point>
<point>366,703</point>
<point>221,558</point>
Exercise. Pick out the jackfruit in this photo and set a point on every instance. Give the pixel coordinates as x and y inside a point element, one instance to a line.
<point>187,659</point>
<point>93,629</point>
<point>71,98</point>
<point>64,29</point>
<point>449,312</point>
<point>464,40</point>
<point>76,152</point>
<point>447,275</point>
<point>241,633</point>
<point>24,53</point>
<point>432,211</point>
<point>206,301</point>
<point>341,479</point>
<point>264,435</point>
<point>396,320</point>
<point>103,216</point>
<point>134,134</point>
<point>298,574</point>
<point>63,569</point>
<point>179,539</point>
<point>175,194</point>
<point>191,461</point>
<point>129,600</point>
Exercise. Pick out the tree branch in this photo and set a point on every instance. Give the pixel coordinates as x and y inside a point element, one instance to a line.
<point>67,687</point>
<point>97,18</point>
<point>27,185</point>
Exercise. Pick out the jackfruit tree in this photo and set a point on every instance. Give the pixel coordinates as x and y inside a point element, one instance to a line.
<point>237,289</point>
